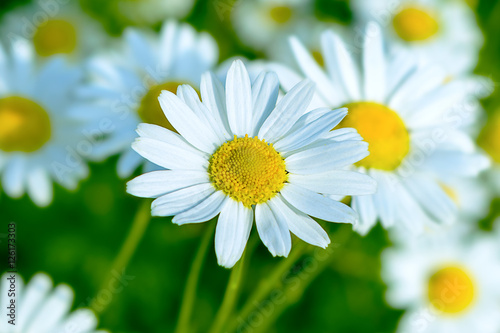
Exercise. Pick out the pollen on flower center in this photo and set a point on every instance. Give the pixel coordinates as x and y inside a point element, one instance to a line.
<point>55,37</point>
<point>248,170</point>
<point>24,125</point>
<point>280,14</point>
<point>414,24</point>
<point>150,110</point>
<point>383,129</point>
<point>489,138</point>
<point>451,290</point>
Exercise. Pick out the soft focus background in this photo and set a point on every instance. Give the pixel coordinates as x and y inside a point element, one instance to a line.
<point>77,237</point>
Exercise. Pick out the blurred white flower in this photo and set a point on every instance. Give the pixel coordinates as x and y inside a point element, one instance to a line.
<point>55,28</point>
<point>411,117</point>
<point>447,282</point>
<point>239,153</point>
<point>44,130</point>
<point>439,31</point>
<point>150,12</point>
<point>41,308</point>
<point>128,81</point>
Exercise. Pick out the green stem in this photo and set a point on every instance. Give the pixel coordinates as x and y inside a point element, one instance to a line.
<point>139,225</point>
<point>189,296</point>
<point>232,290</point>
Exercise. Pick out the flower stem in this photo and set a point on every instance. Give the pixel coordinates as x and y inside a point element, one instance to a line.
<point>189,296</point>
<point>139,225</point>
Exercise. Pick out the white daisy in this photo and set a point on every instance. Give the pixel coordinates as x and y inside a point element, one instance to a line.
<point>489,140</point>
<point>42,135</point>
<point>264,24</point>
<point>440,31</point>
<point>447,284</point>
<point>150,12</point>
<point>128,82</point>
<point>239,152</point>
<point>54,28</point>
<point>41,308</point>
<point>412,119</point>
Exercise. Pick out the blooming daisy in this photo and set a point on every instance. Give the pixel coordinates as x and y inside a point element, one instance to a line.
<point>42,136</point>
<point>437,30</point>
<point>128,82</point>
<point>149,12</point>
<point>447,283</point>
<point>489,140</point>
<point>41,308</point>
<point>239,153</point>
<point>412,119</point>
<point>54,28</point>
<point>264,24</point>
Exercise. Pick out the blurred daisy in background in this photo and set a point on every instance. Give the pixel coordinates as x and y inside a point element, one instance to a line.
<point>440,31</point>
<point>41,308</point>
<point>42,135</point>
<point>411,118</point>
<point>489,140</point>
<point>238,153</point>
<point>150,12</point>
<point>264,25</point>
<point>447,283</point>
<point>128,81</point>
<point>55,28</point>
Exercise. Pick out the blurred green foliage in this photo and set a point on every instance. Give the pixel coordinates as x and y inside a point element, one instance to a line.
<point>76,239</point>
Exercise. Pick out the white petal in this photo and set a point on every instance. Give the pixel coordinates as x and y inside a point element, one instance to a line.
<point>330,155</point>
<point>52,310</point>
<point>273,231</point>
<point>35,292</point>
<point>306,131</point>
<point>187,123</point>
<point>13,177</point>
<point>40,187</point>
<point>204,211</point>
<point>79,321</point>
<point>383,198</point>
<point>374,64</point>
<point>176,202</point>
<point>127,163</point>
<point>157,183</point>
<point>409,212</point>
<point>265,92</point>
<point>367,213</point>
<point>289,109</point>
<point>239,99</point>
<point>453,163</point>
<point>139,46</point>
<point>214,98</point>
<point>317,205</point>
<point>344,134</point>
<point>336,182</point>
<point>170,156</point>
<point>299,223</point>
<point>231,235</point>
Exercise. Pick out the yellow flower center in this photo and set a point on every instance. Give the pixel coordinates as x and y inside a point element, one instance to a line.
<point>55,37</point>
<point>280,14</point>
<point>24,125</point>
<point>248,170</point>
<point>414,24</point>
<point>383,129</point>
<point>451,290</point>
<point>150,110</point>
<point>490,138</point>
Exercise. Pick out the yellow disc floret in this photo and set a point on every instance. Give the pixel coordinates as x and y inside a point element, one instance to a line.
<point>55,37</point>
<point>150,110</point>
<point>451,290</point>
<point>415,24</point>
<point>24,125</point>
<point>383,129</point>
<point>248,170</point>
<point>281,14</point>
<point>489,139</point>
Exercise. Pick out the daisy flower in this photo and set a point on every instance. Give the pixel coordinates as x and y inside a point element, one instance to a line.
<point>264,24</point>
<point>447,283</point>
<point>489,140</point>
<point>150,12</point>
<point>42,138</point>
<point>54,29</point>
<point>41,308</point>
<point>437,30</point>
<point>412,119</point>
<point>128,82</point>
<point>240,154</point>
